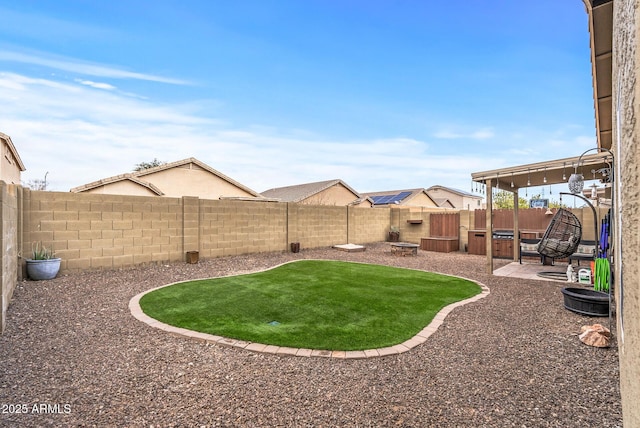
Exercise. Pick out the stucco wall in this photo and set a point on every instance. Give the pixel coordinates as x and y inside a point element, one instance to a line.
<point>421,200</point>
<point>191,180</point>
<point>626,135</point>
<point>124,187</point>
<point>335,195</point>
<point>9,168</point>
<point>185,180</point>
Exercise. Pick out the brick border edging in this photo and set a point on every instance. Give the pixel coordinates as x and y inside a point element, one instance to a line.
<point>418,339</point>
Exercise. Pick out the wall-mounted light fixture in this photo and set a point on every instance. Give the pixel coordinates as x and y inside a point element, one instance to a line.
<point>576,181</point>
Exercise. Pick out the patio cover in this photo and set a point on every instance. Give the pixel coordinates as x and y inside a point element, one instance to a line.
<point>533,175</point>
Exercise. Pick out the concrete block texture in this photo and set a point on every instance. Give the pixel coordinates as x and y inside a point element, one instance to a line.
<point>95,231</point>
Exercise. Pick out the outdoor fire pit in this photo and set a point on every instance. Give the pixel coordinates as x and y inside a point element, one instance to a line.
<point>586,302</point>
<point>404,249</point>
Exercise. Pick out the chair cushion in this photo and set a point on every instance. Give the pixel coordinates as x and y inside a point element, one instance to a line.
<point>529,248</point>
<point>586,249</point>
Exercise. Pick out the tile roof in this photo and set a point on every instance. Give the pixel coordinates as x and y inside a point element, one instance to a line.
<point>135,177</point>
<point>300,192</point>
<point>115,179</point>
<point>452,190</point>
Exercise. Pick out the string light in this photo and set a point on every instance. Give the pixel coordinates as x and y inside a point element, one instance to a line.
<point>564,171</point>
<point>512,186</point>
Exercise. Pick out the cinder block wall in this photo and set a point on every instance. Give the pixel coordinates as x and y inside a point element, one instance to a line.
<point>95,231</point>
<point>368,225</point>
<point>317,225</point>
<point>412,231</point>
<point>10,225</point>
<point>239,227</point>
<point>103,231</point>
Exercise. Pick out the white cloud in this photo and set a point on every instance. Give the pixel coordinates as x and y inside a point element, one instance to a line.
<point>82,67</point>
<point>479,134</point>
<point>482,134</point>
<point>96,85</point>
<point>79,134</point>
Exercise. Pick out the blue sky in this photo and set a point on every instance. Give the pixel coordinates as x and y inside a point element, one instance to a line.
<point>382,94</point>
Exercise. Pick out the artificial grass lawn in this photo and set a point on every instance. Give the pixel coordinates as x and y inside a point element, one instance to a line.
<point>312,304</point>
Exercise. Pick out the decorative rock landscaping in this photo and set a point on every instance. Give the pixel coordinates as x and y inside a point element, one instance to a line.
<point>510,359</point>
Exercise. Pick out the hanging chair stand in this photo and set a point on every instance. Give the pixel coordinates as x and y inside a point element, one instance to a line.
<point>562,237</point>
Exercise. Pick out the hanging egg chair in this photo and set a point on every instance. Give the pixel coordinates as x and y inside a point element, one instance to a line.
<point>562,237</point>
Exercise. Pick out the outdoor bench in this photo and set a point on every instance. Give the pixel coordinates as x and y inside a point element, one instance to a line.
<point>586,251</point>
<point>529,248</point>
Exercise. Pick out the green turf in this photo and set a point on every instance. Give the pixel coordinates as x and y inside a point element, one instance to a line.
<point>311,304</point>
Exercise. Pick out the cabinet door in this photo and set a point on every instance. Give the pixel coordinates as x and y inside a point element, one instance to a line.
<point>503,248</point>
<point>477,243</point>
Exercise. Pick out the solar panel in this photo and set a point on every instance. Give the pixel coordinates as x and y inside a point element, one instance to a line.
<point>400,196</point>
<point>389,199</point>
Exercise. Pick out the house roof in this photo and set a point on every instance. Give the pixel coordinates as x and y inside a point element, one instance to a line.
<point>601,40</point>
<point>13,150</point>
<point>300,192</point>
<point>136,177</point>
<point>456,191</point>
<point>397,197</point>
<point>443,202</point>
<point>361,200</point>
<point>115,179</point>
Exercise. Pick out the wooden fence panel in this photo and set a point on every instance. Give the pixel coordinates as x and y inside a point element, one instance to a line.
<point>444,225</point>
<point>528,218</point>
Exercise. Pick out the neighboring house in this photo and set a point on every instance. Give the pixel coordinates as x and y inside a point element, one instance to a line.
<point>11,165</point>
<point>331,192</point>
<point>188,177</point>
<point>408,197</point>
<point>459,199</point>
<point>444,203</point>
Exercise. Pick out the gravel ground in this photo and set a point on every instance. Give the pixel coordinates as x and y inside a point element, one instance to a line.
<point>72,355</point>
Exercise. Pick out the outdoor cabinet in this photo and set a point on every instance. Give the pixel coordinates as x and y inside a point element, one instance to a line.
<point>477,242</point>
<point>502,247</point>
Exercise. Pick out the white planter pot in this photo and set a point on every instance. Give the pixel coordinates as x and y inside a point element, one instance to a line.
<point>43,269</point>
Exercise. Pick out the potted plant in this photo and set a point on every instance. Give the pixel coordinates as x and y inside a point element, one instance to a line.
<point>394,234</point>
<point>43,263</point>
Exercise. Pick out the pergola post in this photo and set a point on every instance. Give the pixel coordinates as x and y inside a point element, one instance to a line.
<point>488,237</point>
<point>516,227</point>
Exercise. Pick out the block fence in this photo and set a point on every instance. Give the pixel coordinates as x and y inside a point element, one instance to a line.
<point>9,248</point>
<point>91,231</point>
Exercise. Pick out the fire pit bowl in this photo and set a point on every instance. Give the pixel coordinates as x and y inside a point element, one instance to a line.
<point>586,302</point>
